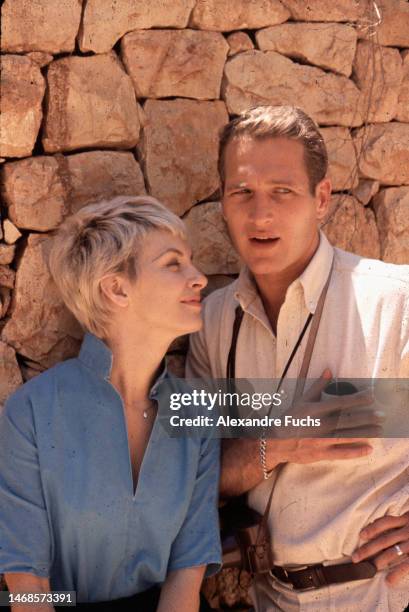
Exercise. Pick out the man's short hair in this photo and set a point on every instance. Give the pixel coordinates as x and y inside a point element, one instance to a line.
<point>279,122</point>
<point>100,239</point>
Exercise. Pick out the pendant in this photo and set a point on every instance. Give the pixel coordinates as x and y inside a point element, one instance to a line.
<point>145,414</point>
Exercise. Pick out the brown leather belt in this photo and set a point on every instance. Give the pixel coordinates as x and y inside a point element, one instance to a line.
<point>316,576</point>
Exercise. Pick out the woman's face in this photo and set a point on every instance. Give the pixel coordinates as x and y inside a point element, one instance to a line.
<point>166,293</point>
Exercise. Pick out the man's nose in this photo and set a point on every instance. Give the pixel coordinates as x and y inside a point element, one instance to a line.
<point>261,209</point>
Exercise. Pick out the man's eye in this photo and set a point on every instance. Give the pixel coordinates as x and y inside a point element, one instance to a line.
<point>282,190</point>
<point>241,192</point>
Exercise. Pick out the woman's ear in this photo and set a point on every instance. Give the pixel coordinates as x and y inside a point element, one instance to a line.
<point>114,287</point>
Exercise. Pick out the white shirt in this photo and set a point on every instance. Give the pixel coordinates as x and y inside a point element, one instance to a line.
<point>319,509</point>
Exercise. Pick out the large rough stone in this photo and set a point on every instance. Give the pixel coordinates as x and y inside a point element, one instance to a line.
<point>239,42</point>
<point>10,375</point>
<point>48,25</point>
<point>393,28</point>
<point>378,73</point>
<point>212,249</point>
<point>323,10</point>
<point>352,227</point>
<point>366,190</point>
<point>384,152</point>
<point>91,103</point>
<point>40,326</point>
<point>258,77</point>
<point>164,63</point>
<point>105,21</point>
<point>180,143</point>
<point>40,58</point>
<point>41,190</point>
<point>22,91</point>
<point>402,111</point>
<point>11,233</point>
<point>392,215</point>
<point>328,45</point>
<point>224,16</point>
<point>5,301</point>
<point>343,169</point>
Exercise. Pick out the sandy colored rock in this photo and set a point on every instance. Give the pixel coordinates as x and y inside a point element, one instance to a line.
<point>7,252</point>
<point>47,25</point>
<point>258,77</point>
<point>91,103</point>
<point>10,375</point>
<point>378,73</point>
<point>384,152</point>
<point>40,58</point>
<point>366,190</point>
<point>323,10</point>
<point>40,326</point>
<point>343,170</point>
<point>165,63</point>
<point>402,111</point>
<point>41,190</point>
<point>105,21</point>
<point>327,45</point>
<point>225,15</point>
<point>11,233</point>
<point>393,29</point>
<point>212,249</point>
<point>392,215</point>
<point>352,227</point>
<point>7,277</point>
<point>22,91</point>
<point>239,42</point>
<point>180,157</point>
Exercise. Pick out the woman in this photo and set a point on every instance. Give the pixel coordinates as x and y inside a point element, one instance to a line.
<point>94,495</point>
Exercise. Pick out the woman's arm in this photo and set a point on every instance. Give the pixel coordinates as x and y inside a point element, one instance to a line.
<point>28,583</point>
<point>180,591</point>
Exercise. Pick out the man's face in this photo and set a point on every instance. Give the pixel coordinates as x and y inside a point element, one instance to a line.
<point>270,211</point>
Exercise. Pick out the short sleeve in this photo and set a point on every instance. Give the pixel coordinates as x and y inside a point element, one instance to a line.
<point>198,541</point>
<point>197,362</point>
<point>24,530</point>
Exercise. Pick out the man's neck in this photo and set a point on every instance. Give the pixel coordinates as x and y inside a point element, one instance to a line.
<point>273,288</point>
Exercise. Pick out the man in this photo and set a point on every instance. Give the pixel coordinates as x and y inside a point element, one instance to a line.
<point>273,166</point>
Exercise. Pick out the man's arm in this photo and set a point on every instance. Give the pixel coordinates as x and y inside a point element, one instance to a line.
<point>28,583</point>
<point>180,591</point>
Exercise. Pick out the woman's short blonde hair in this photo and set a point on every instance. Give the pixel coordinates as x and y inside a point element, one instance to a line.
<point>103,238</point>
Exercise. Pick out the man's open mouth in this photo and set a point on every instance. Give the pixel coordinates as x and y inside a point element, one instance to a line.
<point>263,240</point>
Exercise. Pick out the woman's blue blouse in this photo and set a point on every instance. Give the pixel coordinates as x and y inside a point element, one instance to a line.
<point>67,506</point>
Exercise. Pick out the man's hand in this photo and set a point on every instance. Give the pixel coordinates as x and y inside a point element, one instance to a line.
<point>241,466</point>
<point>380,539</point>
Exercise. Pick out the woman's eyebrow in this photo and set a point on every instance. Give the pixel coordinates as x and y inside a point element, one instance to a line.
<point>171,250</point>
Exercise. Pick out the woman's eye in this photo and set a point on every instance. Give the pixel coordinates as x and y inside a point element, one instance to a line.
<point>173,264</point>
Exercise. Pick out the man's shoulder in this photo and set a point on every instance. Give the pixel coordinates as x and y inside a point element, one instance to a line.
<point>221,298</point>
<point>381,276</point>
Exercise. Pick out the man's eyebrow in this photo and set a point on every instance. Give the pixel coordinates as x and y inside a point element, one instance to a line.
<point>245,184</point>
<point>171,250</point>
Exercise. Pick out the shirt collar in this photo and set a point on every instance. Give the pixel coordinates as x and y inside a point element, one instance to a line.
<point>312,280</point>
<point>97,356</point>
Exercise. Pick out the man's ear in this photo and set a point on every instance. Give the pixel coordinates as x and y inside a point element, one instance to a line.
<point>323,198</point>
<point>114,287</point>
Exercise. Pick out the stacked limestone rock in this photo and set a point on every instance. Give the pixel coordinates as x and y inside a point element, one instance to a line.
<point>127,97</point>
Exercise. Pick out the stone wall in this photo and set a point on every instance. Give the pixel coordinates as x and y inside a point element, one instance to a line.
<point>104,97</point>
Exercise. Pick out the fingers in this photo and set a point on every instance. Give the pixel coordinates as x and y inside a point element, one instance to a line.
<point>383,547</point>
<point>385,523</point>
<point>346,451</point>
<point>398,573</point>
<point>313,393</point>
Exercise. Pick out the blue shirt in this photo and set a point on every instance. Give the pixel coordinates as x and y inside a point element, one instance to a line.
<point>67,506</point>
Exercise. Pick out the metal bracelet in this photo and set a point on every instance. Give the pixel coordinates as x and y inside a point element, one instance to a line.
<point>263,448</point>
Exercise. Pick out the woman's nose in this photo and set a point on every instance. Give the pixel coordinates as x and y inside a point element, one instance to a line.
<point>197,279</point>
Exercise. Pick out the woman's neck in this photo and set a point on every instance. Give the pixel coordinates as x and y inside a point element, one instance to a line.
<point>136,360</point>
